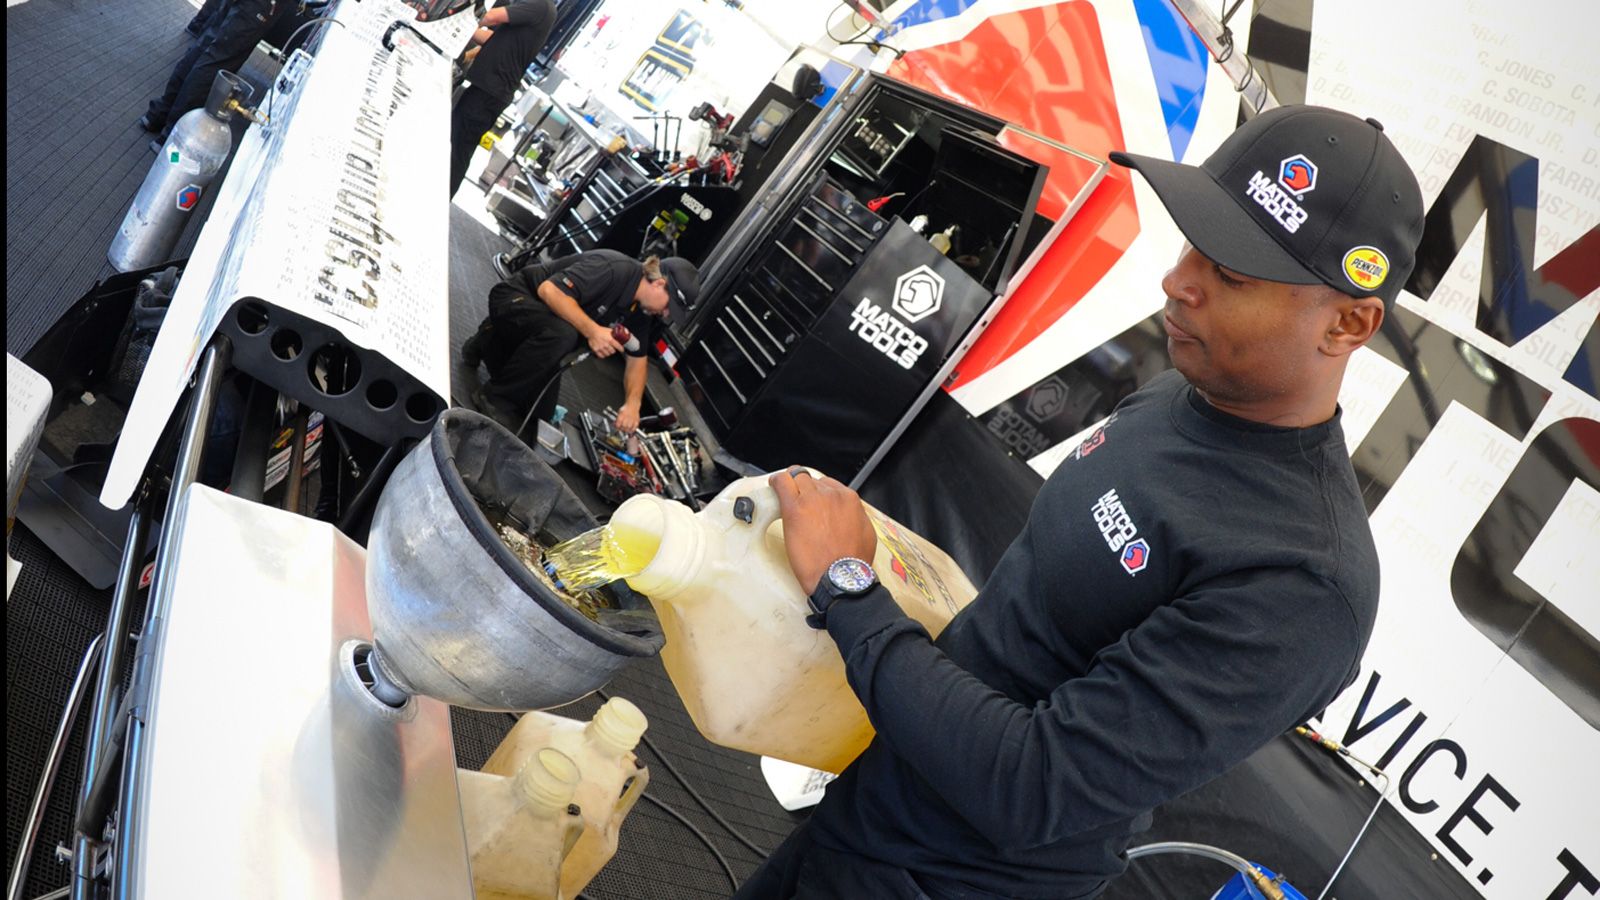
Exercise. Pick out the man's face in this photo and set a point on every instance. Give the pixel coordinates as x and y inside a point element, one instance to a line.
<point>653,297</point>
<point>1238,339</point>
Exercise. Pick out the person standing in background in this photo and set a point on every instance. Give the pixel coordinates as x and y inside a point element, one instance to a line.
<point>231,32</point>
<point>510,37</point>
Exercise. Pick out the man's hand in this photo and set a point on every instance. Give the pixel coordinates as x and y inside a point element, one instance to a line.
<point>601,342</point>
<point>471,54</point>
<point>628,418</point>
<point>822,521</point>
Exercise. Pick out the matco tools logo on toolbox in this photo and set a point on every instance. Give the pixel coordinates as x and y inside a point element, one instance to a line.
<point>917,295</point>
<point>1120,533</point>
<point>1297,176</point>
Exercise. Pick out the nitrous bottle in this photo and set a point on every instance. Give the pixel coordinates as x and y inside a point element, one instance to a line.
<point>183,171</point>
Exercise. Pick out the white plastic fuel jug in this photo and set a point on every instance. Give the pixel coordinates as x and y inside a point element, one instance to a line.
<point>520,827</point>
<point>610,777</point>
<point>753,675</point>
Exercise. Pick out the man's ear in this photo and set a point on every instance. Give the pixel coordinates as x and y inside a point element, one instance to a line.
<point>1358,320</point>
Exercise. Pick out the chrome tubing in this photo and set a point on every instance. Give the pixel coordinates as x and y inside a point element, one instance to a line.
<point>52,764</point>
<point>110,681</point>
<point>202,404</point>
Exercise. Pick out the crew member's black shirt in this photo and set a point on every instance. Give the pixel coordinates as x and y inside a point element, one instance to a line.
<point>1188,586</point>
<point>498,68</point>
<point>604,283</point>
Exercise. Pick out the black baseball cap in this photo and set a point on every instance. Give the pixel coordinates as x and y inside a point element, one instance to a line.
<point>1299,195</point>
<point>683,279</point>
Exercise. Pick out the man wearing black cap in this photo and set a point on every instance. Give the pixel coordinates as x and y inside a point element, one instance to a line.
<point>546,311</point>
<point>1197,578</point>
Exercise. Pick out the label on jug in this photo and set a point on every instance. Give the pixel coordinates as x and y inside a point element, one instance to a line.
<point>912,566</point>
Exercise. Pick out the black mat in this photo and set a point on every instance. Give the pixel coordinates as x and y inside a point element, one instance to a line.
<point>79,74</point>
<point>51,619</point>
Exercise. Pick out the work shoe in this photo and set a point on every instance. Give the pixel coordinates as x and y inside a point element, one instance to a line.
<point>472,352</point>
<point>150,125</point>
<point>156,145</point>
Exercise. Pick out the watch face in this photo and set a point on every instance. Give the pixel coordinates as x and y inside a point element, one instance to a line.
<point>851,575</point>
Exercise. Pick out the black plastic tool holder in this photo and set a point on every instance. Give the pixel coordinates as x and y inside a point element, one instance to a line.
<point>363,389</point>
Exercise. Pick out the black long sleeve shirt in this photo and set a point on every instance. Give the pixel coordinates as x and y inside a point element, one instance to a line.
<point>1188,586</point>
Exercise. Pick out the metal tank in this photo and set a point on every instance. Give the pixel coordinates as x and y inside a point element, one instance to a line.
<point>455,614</point>
<point>184,169</point>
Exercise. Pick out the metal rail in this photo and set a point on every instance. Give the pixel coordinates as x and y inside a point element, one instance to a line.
<point>52,763</point>
<point>202,405</point>
<point>86,846</point>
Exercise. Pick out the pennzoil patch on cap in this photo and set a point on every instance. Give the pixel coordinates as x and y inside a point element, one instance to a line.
<point>1366,267</point>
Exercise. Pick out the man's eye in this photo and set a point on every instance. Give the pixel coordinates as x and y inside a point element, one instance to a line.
<point>1225,278</point>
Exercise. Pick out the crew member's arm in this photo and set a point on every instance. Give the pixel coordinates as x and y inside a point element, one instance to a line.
<point>599,337</point>
<point>633,378</point>
<point>521,13</point>
<point>1189,692</point>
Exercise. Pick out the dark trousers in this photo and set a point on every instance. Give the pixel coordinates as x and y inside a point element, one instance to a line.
<point>230,34</point>
<point>801,870</point>
<point>522,343</point>
<point>474,113</point>
<point>203,16</point>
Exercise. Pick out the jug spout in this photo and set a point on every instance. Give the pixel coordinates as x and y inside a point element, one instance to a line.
<point>682,550</point>
<point>617,726</point>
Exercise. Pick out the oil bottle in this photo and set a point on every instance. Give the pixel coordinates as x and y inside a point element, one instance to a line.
<point>752,674</point>
<point>521,827</point>
<point>610,777</point>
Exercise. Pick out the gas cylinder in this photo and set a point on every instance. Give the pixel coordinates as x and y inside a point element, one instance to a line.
<point>184,169</point>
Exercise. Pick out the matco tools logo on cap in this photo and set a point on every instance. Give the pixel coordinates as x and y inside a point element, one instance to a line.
<point>1298,174</point>
<point>1366,267</point>
<point>917,294</point>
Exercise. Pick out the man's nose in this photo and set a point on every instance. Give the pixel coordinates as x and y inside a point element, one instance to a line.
<point>1181,282</point>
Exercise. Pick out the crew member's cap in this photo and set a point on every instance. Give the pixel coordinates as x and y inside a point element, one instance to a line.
<point>1299,195</point>
<point>683,279</point>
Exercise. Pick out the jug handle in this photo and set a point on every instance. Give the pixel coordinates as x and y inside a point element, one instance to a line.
<point>755,502</point>
<point>632,794</point>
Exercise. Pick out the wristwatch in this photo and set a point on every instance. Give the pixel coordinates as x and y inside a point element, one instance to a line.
<point>846,577</point>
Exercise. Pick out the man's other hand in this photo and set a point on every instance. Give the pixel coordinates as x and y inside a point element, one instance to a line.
<point>822,521</point>
<point>628,418</point>
<point>601,343</point>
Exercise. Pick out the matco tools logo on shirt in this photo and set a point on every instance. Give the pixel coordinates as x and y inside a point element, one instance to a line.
<point>1297,176</point>
<point>1120,533</point>
<point>917,295</point>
